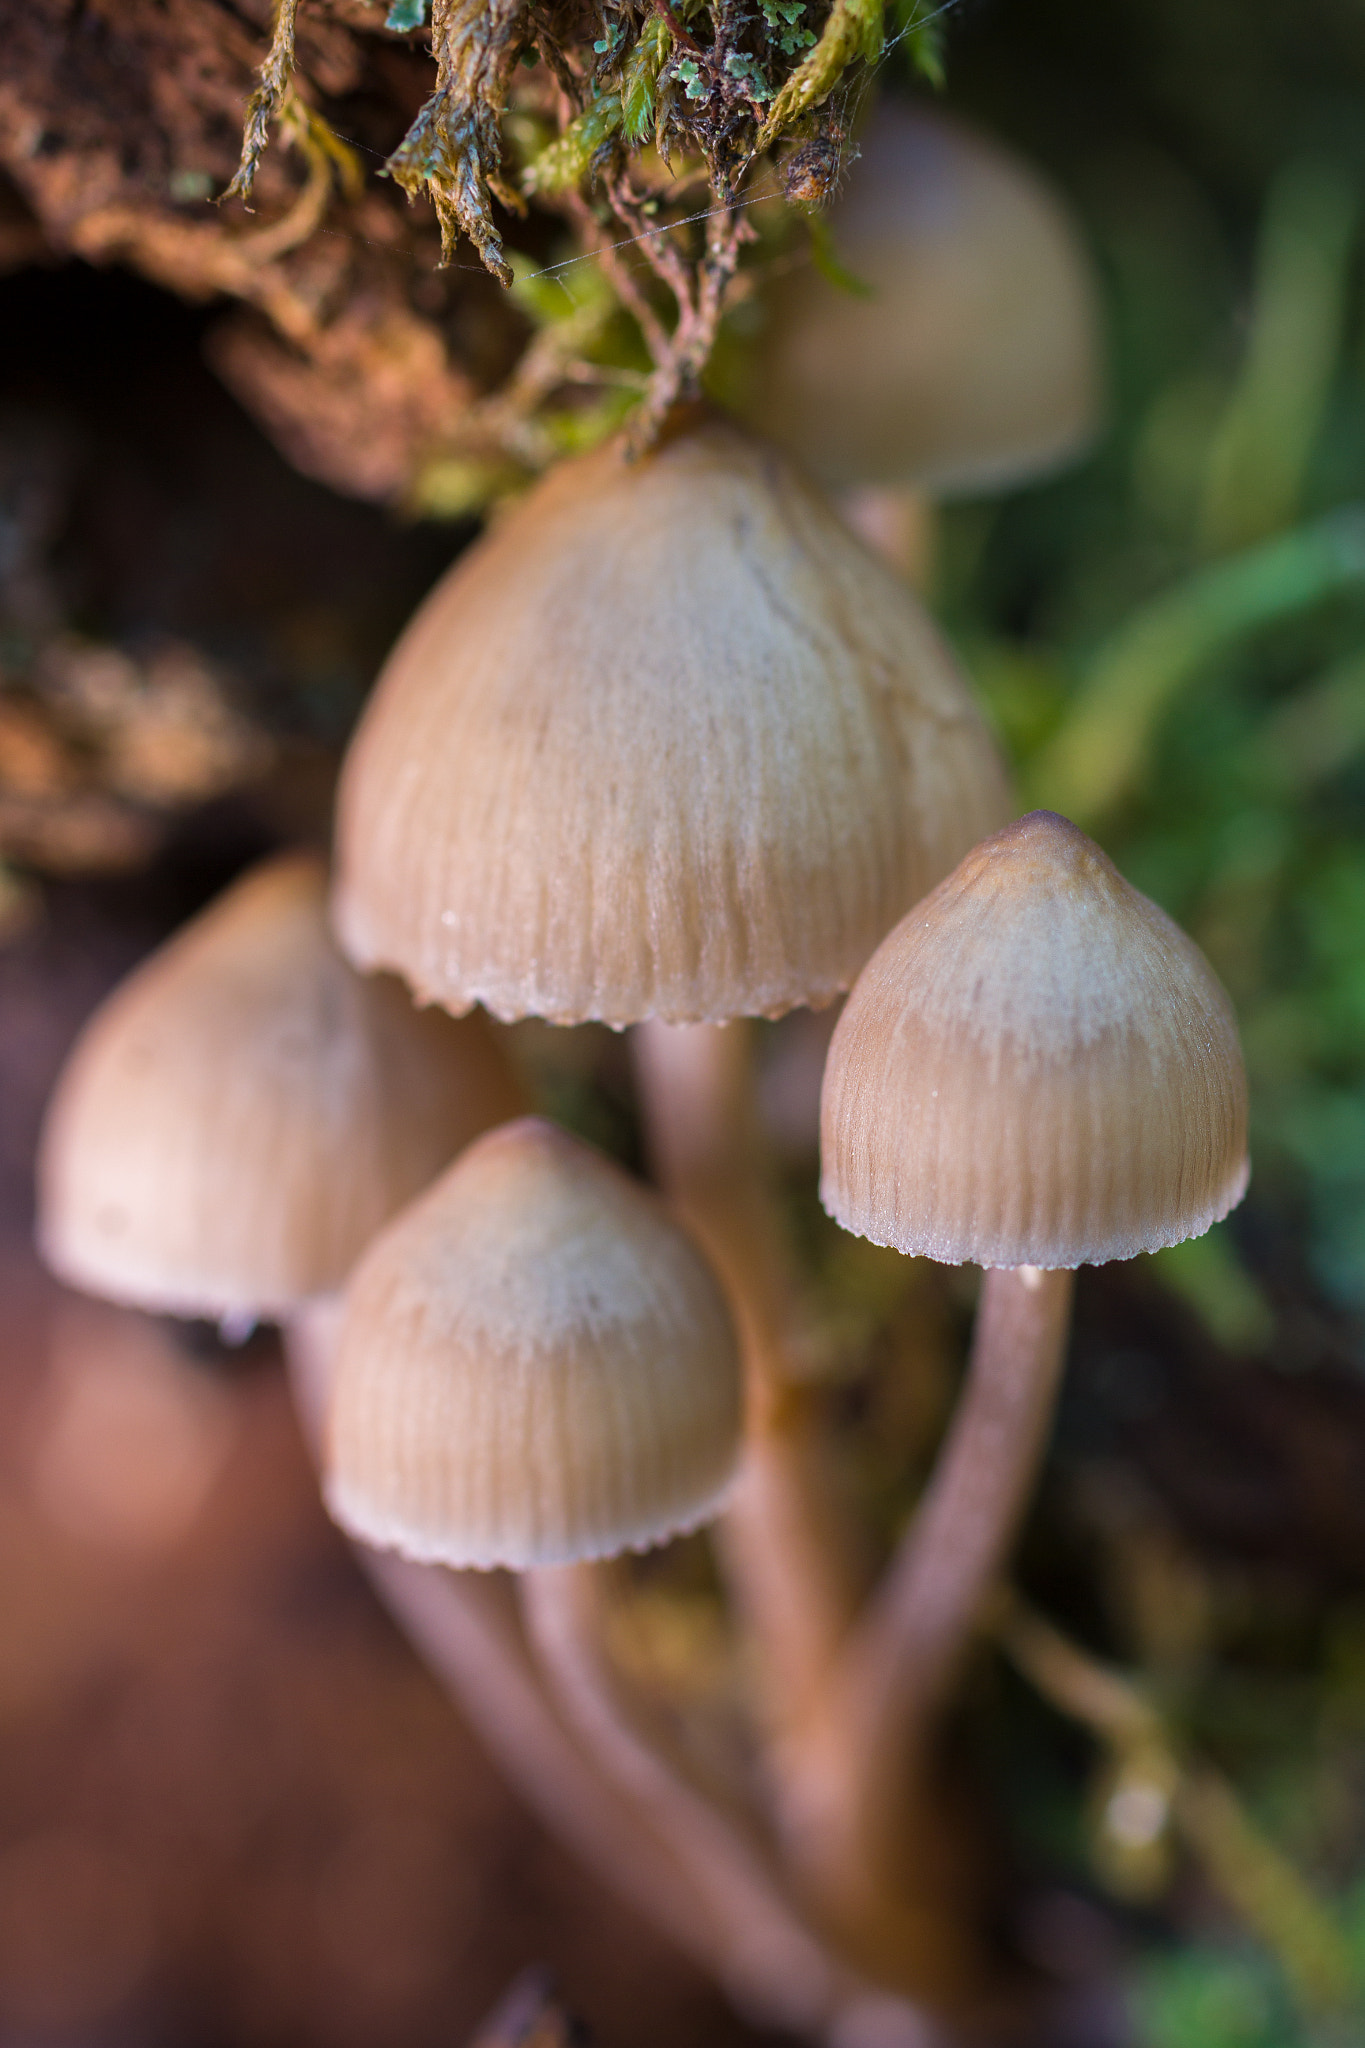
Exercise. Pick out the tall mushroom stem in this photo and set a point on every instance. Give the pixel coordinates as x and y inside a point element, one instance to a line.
<point>897,523</point>
<point>466,1633</point>
<point>770,1961</point>
<point>783,1545</point>
<point>859,1761</point>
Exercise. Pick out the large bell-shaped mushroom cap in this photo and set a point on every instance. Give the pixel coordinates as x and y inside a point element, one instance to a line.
<point>975,363</point>
<point>245,1110</point>
<point>1037,1067</point>
<point>667,742</point>
<point>535,1365</point>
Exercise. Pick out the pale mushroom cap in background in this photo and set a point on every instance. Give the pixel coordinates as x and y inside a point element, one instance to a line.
<point>245,1110</point>
<point>1037,1067</point>
<point>668,742</point>
<point>535,1365</point>
<point>976,361</point>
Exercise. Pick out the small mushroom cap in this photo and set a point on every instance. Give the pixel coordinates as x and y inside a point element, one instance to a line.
<point>244,1111</point>
<point>668,742</point>
<point>535,1365</point>
<point>976,361</point>
<point>1036,1068</point>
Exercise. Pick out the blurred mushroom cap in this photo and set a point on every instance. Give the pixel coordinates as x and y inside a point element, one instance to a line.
<point>244,1111</point>
<point>535,1365</point>
<point>975,362</point>
<point>668,742</point>
<point>1036,1067</point>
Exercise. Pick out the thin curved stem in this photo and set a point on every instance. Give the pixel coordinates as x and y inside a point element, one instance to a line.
<point>773,1962</point>
<point>863,1752</point>
<point>784,1548</point>
<point>897,523</point>
<point>465,1628</point>
<point>699,290</point>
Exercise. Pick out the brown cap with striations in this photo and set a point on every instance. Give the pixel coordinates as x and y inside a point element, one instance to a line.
<point>668,742</point>
<point>243,1113</point>
<point>535,1365</point>
<point>1036,1067</point>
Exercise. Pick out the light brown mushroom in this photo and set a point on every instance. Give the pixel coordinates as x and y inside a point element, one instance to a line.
<point>535,1366</point>
<point>974,360</point>
<point>631,1809</point>
<point>245,1110</point>
<point>668,742</point>
<point>1036,1069</point>
<point>535,1369</point>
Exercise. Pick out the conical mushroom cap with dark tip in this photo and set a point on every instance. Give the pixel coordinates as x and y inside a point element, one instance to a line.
<point>243,1113</point>
<point>535,1365</point>
<point>1036,1067</point>
<point>974,363</point>
<point>668,742</point>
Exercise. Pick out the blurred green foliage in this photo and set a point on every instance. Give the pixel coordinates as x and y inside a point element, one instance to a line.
<point>1173,638</point>
<point>1234,1997</point>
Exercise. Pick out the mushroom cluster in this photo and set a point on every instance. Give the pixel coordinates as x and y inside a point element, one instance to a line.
<point>669,748</point>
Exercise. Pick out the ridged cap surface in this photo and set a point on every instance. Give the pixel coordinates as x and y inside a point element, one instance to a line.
<point>535,1365</point>
<point>667,742</point>
<point>1037,1067</point>
<point>245,1110</point>
<point>976,362</point>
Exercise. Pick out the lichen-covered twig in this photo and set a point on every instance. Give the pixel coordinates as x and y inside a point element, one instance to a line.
<point>697,288</point>
<point>453,149</point>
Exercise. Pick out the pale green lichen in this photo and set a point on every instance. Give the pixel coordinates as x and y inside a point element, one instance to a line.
<point>784,19</point>
<point>855,29</point>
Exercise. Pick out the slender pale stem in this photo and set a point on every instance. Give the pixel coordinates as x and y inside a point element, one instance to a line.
<point>465,1629</point>
<point>863,1754</point>
<point>897,524</point>
<point>784,1548</point>
<point>772,1962</point>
